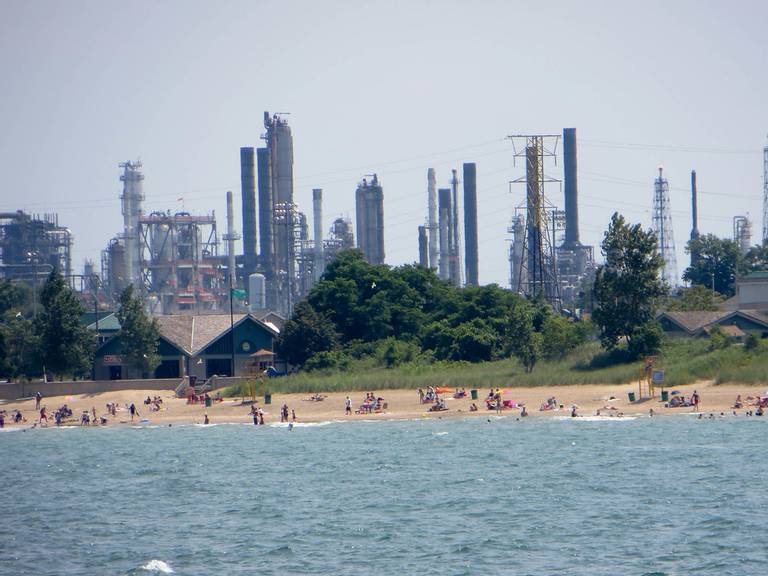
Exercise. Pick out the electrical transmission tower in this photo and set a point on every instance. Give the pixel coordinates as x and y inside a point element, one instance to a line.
<point>662,225</point>
<point>536,269</point>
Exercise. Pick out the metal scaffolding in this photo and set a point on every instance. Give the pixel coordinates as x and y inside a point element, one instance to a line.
<point>537,273</point>
<point>180,264</point>
<point>33,245</point>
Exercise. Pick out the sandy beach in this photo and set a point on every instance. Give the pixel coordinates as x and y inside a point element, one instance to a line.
<point>400,404</point>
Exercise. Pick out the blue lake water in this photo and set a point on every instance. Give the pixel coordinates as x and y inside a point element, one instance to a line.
<point>659,496</point>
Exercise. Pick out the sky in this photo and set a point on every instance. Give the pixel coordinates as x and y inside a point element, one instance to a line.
<point>388,87</point>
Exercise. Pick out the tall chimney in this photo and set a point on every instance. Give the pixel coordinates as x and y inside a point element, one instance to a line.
<point>694,217</point>
<point>571,188</point>
<point>423,247</point>
<point>231,266</point>
<point>266,246</point>
<point>456,267</point>
<point>444,222</point>
<point>248,191</point>
<point>317,228</point>
<point>470,223</point>
<point>432,217</point>
<point>694,207</point>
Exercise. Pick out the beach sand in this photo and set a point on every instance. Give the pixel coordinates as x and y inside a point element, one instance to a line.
<point>400,404</point>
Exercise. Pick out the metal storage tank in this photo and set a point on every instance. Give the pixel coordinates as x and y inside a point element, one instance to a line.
<point>257,292</point>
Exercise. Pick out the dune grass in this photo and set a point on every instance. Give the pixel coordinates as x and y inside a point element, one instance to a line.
<point>684,361</point>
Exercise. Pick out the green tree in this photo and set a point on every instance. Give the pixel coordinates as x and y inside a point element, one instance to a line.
<point>627,288</point>
<point>522,339</point>
<point>65,345</point>
<point>139,334</point>
<point>718,260</point>
<point>560,336</point>
<point>755,260</point>
<point>306,333</point>
<point>693,299</point>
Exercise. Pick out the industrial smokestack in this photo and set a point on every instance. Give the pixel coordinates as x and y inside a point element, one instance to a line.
<point>248,191</point>
<point>432,217</point>
<point>444,222</point>
<point>694,207</point>
<point>470,223</point>
<point>423,247</point>
<point>317,226</point>
<point>456,269</point>
<point>231,237</point>
<point>266,246</point>
<point>571,188</point>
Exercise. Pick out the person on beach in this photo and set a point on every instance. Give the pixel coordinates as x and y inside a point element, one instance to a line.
<point>206,421</point>
<point>255,417</point>
<point>284,413</point>
<point>293,415</point>
<point>473,407</point>
<point>43,416</point>
<point>695,401</point>
<point>574,412</point>
<point>523,412</point>
<point>2,419</point>
<point>133,411</point>
<point>38,398</point>
<point>348,406</point>
<point>261,417</point>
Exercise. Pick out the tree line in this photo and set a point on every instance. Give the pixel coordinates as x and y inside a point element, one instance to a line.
<point>43,333</point>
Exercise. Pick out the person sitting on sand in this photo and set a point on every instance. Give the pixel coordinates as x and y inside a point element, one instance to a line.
<point>473,407</point>
<point>738,403</point>
<point>438,406</point>
<point>574,412</point>
<point>18,417</point>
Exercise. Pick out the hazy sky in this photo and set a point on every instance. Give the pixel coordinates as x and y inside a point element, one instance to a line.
<point>388,87</point>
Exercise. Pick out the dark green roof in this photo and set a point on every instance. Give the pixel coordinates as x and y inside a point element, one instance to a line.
<point>108,323</point>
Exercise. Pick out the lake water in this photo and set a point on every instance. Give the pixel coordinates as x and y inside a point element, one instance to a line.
<point>670,495</point>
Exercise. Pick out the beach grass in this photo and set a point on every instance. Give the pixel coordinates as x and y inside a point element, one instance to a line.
<point>684,361</point>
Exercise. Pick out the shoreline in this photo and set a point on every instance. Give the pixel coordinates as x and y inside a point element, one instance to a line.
<point>401,404</point>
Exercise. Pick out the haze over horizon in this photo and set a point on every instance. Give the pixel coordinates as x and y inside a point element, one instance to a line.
<point>386,87</point>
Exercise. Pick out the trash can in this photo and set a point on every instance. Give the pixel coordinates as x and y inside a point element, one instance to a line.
<point>473,393</point>
<point>267,398</point>
<point>665,395</point>
<point>208,402</point>
<point>631,396</point>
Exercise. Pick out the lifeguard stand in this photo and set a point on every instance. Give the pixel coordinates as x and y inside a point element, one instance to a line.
<point>648,378</point>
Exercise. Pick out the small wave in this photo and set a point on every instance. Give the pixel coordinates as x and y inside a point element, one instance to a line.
<point>300,424</point>
<point>284,550</point>
<point>595,418</point>
<point>11,429</point>
<point>440,434</point>
<point>157,566</point>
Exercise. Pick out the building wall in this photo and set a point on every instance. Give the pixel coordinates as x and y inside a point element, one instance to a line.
<point>752,292</point>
